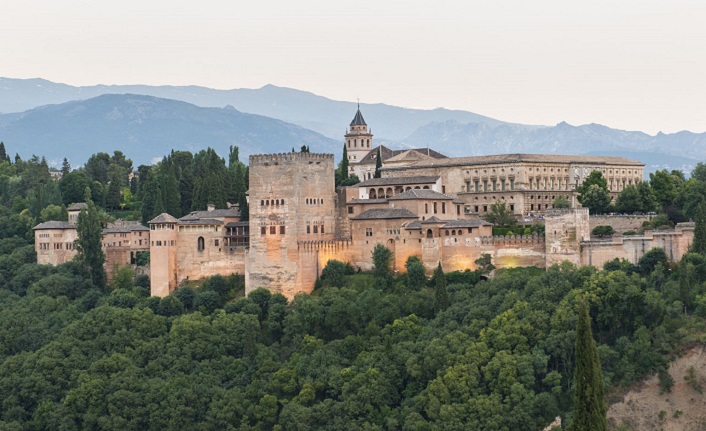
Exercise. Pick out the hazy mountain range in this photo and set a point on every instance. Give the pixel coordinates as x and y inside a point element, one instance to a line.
<point>101,118</point>
<point>146,128</point>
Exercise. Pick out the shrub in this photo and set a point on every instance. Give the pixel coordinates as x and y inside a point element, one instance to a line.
<point>602,231</point>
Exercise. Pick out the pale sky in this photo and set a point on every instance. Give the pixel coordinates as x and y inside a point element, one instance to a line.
<point>629,64</point>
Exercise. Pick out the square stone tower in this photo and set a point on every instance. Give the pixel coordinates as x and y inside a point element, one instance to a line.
<point>292,201</point>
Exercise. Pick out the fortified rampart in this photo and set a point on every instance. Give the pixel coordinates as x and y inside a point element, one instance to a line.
<point>620,223</point>
<point>675,244</point>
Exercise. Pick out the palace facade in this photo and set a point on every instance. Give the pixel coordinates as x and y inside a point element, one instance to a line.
<point>424,204</point>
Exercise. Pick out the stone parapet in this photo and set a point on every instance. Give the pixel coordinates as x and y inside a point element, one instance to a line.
<point>281,158</point>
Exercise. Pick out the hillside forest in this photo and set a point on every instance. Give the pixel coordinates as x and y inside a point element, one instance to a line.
<point>364,351</point>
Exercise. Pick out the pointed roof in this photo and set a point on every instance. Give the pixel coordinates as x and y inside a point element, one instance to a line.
<point>358,119</point>
<point>163,218</point>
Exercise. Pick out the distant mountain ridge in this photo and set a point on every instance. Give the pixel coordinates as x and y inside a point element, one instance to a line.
<point>318,113</point>
<point>146,128</point>
<point>454,133</point>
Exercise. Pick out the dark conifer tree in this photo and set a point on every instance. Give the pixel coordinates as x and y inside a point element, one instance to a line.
<point>3,153</point>
<point>65,167</point>
<point>344,164</point>
<point>589,400</point>
<point>378,164</point>
<point>89,242</point>
<point>699,245</point>
<point>170,192</point>
<point>441,296</point>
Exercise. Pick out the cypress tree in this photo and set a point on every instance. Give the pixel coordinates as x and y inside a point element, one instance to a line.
<point>88,244</point>
<point>170,193</point>
<point>589,401</point>
<point>699,245</point>
<point>3,153</point>
<point>378,164</point>
<point>344,164</point>
<point>441,296</point>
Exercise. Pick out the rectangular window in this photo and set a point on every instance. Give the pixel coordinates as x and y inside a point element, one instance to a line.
<point>443,189</point>
<point>281,230</point>
<point>322,228</point>
<point>512,184</point>
<point>485,208</point>
<point>475,208</point>
<point>495,183</point>
<point>434,207</point>
<point>308,229</point>
<point>485,185</point>
<point>215,243</point>
<point>426,208</point>
<point>476,184</point>
<point>263,230</point>
<point>468,186</point>
<point>368,231</point>
<point>503,184</point>
<point>316,229</point>
<point>350,210</point>
<point>458,210</point>
<point>512,207</point>
<point>443,208</point>
<point>273,230</point>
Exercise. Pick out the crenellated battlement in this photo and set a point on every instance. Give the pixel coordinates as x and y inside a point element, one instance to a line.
<point>512,239</point>
<point>282,158</point>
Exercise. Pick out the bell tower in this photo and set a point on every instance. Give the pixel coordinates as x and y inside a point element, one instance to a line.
<point>359,140</point>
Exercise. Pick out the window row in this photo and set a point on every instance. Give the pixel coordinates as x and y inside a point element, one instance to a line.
<point>488,186</point>
<point>273,230</point>
<point>314,201</point>
<point>273,202</point>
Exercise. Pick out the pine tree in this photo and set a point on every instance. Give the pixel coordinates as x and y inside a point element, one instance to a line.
<point>441,296</point>
<point>589,401</point>
<point>88,244</point>
<point>699,244</point>
<point>378,164</point>
<point>65,166</point>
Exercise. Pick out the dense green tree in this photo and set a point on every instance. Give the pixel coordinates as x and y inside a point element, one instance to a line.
<point>378,164</point>
<point>647,197</point>
<point>500,215</point>
<point>382,263</point>
<point>593,193</point>
<point>441,296</point>
<point>89,242</point>
<point>629,201</point>
<point>53,212</point>
<point>596,199</point>
<point>589,399</point>
<point>170,192</point>
<point>335,272</point>
<point>602,231</point>
<point>665,186</point>
<point>3,153</point>
<point>561,201</point>
<point>416,274</point>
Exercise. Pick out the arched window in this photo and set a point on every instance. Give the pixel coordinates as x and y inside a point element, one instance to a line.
<point>453,232</point>
<point>372,194</point>
<point>282,201</point>
<point>430,234</point>
<point>200,243</point>
<point>262,203</point>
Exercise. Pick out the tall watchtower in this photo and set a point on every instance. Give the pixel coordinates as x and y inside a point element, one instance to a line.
<point>292,200</point>
<point>359,140</point>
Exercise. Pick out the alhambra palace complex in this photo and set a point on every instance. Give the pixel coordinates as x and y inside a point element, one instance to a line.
<point>424,204</point>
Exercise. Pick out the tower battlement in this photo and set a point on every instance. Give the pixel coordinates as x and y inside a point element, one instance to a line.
<point>286,158</point>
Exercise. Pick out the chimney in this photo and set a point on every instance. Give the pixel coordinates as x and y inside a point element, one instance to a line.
<point>210,207</point>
